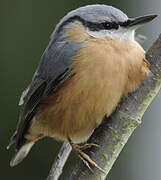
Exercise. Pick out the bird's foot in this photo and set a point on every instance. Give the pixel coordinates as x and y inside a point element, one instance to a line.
<point>83,156</point>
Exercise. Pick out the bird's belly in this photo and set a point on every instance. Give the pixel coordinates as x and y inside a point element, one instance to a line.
<point>75,114</point>
<point>80,103</point>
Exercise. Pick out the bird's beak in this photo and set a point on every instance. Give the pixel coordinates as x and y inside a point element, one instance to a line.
<point>139,21</point>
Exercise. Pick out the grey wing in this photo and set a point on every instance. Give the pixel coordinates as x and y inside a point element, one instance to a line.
<point>53,69</point>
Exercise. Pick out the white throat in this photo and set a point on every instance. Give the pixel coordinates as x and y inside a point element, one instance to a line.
<point>122,33</point>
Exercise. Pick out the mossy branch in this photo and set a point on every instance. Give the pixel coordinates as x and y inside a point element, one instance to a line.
<point>115,130</point>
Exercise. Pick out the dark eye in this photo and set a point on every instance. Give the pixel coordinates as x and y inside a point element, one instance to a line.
<point>110,25</point>
<point>107,26</point>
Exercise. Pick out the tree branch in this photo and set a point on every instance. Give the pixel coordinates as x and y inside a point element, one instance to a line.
<point>115,130</point>
<point>59,162</point>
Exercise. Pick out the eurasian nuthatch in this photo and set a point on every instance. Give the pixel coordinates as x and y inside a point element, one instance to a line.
<point>92,60</point>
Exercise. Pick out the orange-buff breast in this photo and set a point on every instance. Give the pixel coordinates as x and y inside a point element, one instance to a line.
<point>103,71</point>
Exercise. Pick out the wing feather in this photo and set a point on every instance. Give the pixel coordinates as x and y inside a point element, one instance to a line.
<point>53,69</point>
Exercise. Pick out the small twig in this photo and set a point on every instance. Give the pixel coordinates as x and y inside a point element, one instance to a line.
<point>59,162</point>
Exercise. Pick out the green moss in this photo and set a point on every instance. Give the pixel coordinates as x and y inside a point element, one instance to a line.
<point>135,97</point>
<point>104,157</point>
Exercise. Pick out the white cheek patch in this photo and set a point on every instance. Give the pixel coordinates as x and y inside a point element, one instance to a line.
<point>122,33</point>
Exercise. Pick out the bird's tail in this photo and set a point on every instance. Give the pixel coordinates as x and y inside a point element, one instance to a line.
<point>21,153</point>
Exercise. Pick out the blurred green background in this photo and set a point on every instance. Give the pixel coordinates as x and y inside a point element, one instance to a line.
<point>25,28</point>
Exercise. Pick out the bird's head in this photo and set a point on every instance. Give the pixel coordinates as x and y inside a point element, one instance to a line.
<point>100,21</point>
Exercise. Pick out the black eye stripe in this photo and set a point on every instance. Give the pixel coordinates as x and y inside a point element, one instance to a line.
<point>111,25</point>
<point>91,25</point>
<point>125,24</point>
<point>101,26</point>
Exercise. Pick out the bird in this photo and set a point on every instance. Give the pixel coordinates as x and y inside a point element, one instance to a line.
<point>90,63</point>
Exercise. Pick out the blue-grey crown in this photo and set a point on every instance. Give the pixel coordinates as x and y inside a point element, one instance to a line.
<point>92,16</point>
<point>96,14</point>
